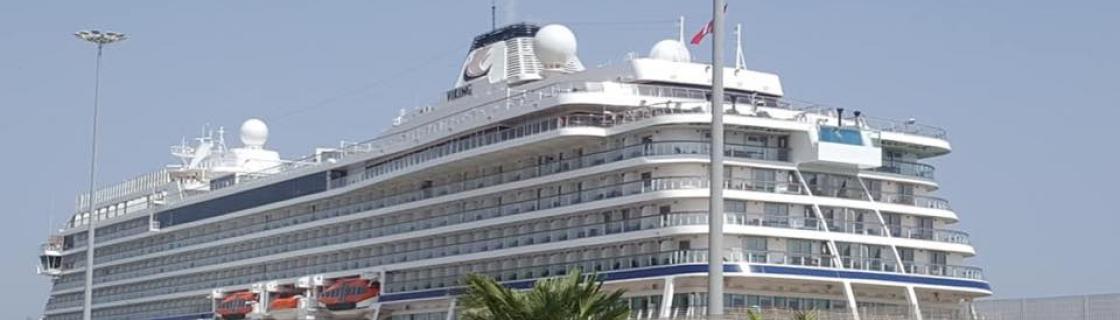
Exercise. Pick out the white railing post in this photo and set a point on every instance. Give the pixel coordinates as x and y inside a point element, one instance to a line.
<point>914,305</point>
<point>851,295</point>
<point>667,299</point>
<point>451,309</point>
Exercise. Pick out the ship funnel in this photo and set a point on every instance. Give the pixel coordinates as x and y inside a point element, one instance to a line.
<point>519,53</point>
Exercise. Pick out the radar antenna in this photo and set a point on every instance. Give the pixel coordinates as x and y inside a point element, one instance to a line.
<point>493,14</point>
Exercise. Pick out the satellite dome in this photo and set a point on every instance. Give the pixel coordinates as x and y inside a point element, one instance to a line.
<point>670,50</point>
<point>254,133</point>
<point>554,45</point>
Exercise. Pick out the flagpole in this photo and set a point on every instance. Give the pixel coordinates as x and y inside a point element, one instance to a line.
<point>715,203</point>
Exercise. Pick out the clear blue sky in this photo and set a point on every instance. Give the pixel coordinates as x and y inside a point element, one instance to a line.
<point>1026,89</point>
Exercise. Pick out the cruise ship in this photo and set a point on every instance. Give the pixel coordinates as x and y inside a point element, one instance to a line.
<point>530,166</point>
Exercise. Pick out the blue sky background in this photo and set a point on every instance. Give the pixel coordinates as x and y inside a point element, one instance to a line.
<point>1027,90</point>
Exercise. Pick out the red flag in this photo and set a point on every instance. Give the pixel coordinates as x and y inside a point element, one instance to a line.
<point>708,28</point>
<point>699,37</point>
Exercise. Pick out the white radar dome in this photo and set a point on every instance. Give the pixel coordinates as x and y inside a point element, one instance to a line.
<point>254,133</point>
<point>670,50</point>
<point>555,45</point>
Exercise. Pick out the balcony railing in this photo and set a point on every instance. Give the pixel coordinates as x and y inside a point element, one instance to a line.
<point>908,168</point>
<point>396,284</point>
<point>468,215</point>
<point>852,191</point>
<point>856,263</point>
<point>632,115</point>
<point>912,200</point>
<point>945,270</point>
<point>532,98</point>
<point>583,231</point>
<point>659,148</point>
<point>668,184</point>
<point>939,235</point>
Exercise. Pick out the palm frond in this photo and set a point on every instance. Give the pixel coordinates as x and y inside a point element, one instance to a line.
<point>753,315</point>
<point>805,315</point>
<point>574,296</point>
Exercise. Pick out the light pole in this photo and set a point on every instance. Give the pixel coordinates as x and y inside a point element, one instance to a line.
<point>715,203</point>
<point>100,39</point>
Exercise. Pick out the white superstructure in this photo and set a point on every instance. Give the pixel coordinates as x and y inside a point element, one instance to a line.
<point>534,164</point>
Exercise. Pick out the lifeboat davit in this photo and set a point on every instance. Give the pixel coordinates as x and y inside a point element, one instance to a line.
<point>236,305</point>
<point>350,297</point>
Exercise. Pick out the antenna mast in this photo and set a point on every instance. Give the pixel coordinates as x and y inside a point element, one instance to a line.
<point>680,29</point>
<point>493,14</point>
<point>740,61</point>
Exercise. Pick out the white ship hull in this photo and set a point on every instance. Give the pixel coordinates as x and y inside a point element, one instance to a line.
<point>533,166</point>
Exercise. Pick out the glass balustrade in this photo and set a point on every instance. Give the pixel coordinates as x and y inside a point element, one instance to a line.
<point>408,282</point>
<point>594,194</point>
<point>912,200</point>
<point>794,222</point>
<point>648,223</point>
<point>593,229</point>
<point>908,168</point>
<point>854,191</point>
<point>661,148</point>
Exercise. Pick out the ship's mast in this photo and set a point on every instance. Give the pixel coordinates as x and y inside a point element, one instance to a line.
<point>715,204</point>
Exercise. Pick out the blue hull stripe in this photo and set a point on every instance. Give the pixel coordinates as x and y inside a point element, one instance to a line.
<point>847,274</point>
<point>729,268</point>
<point>606,276</point>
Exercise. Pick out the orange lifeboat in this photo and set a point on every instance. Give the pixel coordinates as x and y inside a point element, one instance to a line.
<point>284,303</point>
<point>236,305</point>
<point>349,293</point>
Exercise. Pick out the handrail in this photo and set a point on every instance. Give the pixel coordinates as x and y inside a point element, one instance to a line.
<point>908,127</point>
<point>672,257</point>
<point>939,235</point>
<point>527,98</point>
<point>909,168</point>
<point>945,270</point>
<point>648,222</point>
<point>657,148</point>
<point>509,208</point>
<point>654,149</point>
<point>923,201</point>
<point>660,221</point>
<point>852,191</point>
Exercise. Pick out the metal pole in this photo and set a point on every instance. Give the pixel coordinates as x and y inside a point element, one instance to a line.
<point>87,310</point>
<point>740,60</point>
<point>715,204</point>
<point>680,29</point>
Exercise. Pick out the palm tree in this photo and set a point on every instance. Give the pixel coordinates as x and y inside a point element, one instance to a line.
<point>571,297</point>
<point>805,315</point>
<point>753,315</point>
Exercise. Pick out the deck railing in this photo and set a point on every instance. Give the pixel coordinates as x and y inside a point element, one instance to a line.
<point>908,168</point>
<point>532,98</point>
<point>396,284</point>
